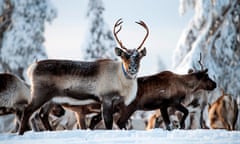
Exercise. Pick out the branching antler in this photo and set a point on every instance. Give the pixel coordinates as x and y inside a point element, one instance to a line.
<point>145,26</point>
<point>200,62</point>
<point>118,24</point>
<point>115,32</point>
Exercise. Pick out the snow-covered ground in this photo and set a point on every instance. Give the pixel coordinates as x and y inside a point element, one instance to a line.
<point>155,136</point>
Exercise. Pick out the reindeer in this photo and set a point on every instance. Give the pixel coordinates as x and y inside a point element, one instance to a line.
<point>156,119</point>
<point>80,112</point>
<point>163,90</point>
<point>14,95</point>
<point>223,113</point>
<point>80,83</point>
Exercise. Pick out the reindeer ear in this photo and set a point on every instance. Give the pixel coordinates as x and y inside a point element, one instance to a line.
<point>206,70</point>
<point>190,71</point>
<point>118,51</point>
<point>143,52</point>
<point>200,74</point>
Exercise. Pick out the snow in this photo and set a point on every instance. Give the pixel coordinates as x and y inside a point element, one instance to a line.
<point>154,136</point>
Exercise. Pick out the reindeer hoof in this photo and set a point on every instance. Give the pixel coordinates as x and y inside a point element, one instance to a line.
<point>182,126</point>
<point>169,127</point>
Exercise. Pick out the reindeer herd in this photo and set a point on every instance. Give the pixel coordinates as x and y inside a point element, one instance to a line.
<point>111,91</point>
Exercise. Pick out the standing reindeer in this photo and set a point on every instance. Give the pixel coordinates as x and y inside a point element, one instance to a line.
<point>80,112</point>
<point>163,90</point>
<point>223,113</point>
<point>80,83</point>
<point>14,95</point>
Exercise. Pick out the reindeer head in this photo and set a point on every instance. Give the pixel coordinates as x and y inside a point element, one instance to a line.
<point>204,82</point>
<point>130,57</point>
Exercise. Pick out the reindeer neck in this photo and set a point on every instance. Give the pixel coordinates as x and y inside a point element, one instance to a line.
<point>191,83</point>
<point>125,73</point>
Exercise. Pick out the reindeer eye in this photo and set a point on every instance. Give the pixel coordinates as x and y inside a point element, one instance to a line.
<point>127,56</point>
<point>137,55</point>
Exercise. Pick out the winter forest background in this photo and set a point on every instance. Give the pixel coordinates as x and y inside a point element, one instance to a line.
<point>212,30</point>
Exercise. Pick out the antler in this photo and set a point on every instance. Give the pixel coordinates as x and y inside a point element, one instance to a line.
<point>200,61</point>
<point>118,23</point>
<point>145,26</point>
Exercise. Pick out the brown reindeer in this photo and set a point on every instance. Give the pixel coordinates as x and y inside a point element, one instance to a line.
<point>82,83</point>
<point>163,90</point>
<point>223,113</point>
<point>156,119</point>
<point>166,89</point>
<point>80,111</point>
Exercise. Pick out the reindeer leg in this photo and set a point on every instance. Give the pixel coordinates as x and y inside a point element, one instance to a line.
<point>157,122</point>
<point>19,114</point>
<point>95,120</point>
<point>81,119</point>
<point>25,118</point>
<point>125,113</point>
<point>165,116</point>
<point>44,113</point>
<point>185,112</point>
<point>107,113</point>
<point>38,99</point>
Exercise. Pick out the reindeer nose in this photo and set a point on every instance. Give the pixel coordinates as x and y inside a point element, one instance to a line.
<point>132,70</point>
<point>214,84</point>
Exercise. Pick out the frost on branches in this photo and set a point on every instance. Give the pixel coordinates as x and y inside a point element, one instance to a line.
<point>214,31</point>
<point>99,41</point>
<point>22,39</point>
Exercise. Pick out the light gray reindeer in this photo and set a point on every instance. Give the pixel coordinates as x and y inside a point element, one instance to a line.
<point>103,81</point>
<point>14,95</point>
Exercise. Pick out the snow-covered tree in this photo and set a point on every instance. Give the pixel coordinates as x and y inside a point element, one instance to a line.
<point>214,31</point>
<point>21,35</point>
<point>99,42</point>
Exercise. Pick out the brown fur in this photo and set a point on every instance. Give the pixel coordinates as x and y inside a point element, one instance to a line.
<point>166,89</point>
<point>153,120</point>
<point>6,80</point>
<point>67,67</point>
<point>222,114</point>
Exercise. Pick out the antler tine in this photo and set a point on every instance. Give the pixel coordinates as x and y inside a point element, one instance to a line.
<point>115,32</point>
<point>200,61</point>
<point>145,26</point>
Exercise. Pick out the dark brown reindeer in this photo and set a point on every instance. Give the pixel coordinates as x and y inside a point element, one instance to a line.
<point>80,83</point>
<point>161,91</point>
